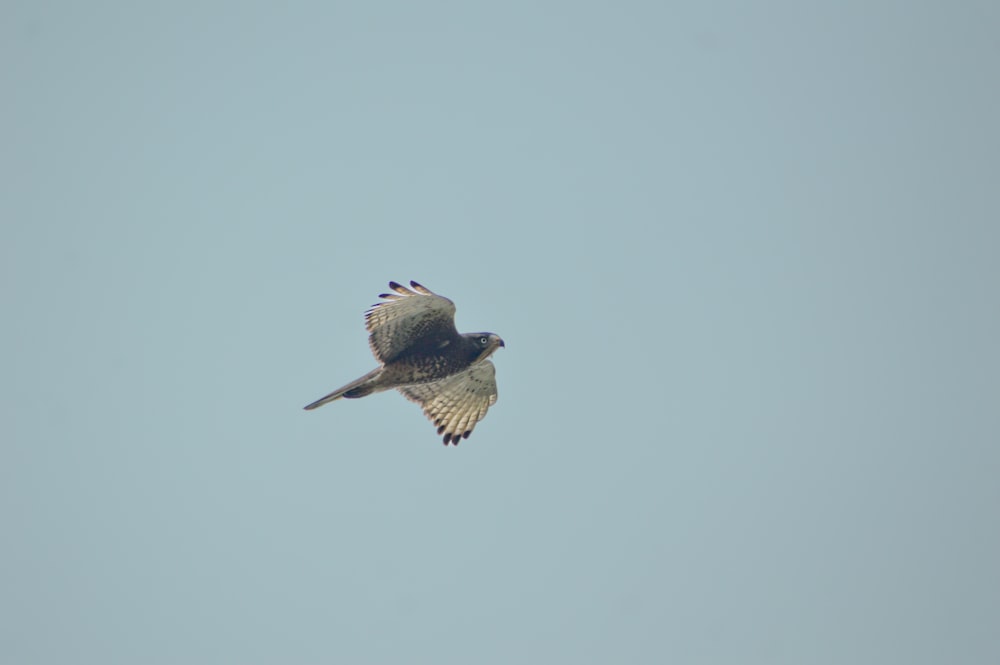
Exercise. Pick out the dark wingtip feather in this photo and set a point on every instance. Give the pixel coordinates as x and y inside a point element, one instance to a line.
<point>420,288</point>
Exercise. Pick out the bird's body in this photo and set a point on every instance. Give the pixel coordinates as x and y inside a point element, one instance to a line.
<point>422,354</point>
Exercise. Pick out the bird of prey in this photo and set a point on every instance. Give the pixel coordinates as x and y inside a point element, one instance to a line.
<point>423,356</point>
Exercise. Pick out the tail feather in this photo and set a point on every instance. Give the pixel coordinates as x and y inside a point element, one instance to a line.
<point>358,388</point>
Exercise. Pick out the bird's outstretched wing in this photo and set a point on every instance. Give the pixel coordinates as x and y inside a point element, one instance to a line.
<point>457,403</point>
<point>406,318</point>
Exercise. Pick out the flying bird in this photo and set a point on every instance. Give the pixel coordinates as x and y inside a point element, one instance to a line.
<point>421,354</point>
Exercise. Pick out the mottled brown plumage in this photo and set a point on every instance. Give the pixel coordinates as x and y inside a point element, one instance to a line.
<point>422,354</point>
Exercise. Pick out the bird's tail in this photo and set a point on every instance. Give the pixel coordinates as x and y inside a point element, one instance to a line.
<point>366,385</point>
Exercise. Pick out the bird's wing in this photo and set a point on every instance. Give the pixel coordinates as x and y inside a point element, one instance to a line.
<point>406,318</point>
<point>457,403</point>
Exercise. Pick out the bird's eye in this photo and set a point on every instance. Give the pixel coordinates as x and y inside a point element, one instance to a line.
<point>483,340</point>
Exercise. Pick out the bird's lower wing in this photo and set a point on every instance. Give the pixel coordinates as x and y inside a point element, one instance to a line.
<point>457,403</point>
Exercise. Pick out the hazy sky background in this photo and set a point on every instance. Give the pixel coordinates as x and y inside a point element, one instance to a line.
<point>744,257</point>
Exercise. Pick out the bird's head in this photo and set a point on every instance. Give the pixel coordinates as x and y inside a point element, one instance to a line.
<point>484,344</point>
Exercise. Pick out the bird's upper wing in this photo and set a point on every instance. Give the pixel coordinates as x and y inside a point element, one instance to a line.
<point>455,404</point>
<point>405,318</point>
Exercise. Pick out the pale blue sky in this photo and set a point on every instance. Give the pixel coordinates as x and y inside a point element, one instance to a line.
<point>744,257</point>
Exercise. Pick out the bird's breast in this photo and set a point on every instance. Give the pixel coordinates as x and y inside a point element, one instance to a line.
<point>424,368</point>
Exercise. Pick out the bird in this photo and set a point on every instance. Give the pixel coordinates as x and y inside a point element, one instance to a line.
<point>421,354</point>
